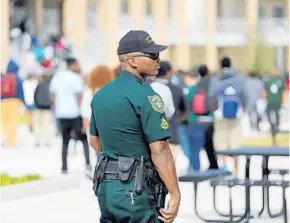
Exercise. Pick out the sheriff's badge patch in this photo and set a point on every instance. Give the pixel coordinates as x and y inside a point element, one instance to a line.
<point>156,103</point>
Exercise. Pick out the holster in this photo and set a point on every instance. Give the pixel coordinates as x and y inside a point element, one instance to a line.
<point>160,194</point>
<point>140,177</point>
<point>126,168</point>
<point>99,172</point>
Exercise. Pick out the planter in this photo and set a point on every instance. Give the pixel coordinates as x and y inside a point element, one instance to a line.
<point>37,188</point>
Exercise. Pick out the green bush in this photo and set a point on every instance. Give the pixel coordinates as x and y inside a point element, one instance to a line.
<point>5,179</point>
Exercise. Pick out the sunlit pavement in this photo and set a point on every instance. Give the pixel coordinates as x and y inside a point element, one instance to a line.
<point>75,202</point>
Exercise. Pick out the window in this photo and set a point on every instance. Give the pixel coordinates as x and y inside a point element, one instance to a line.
<point>278,12</point>
<point>124,6</point>
<point>20,3</point>
<point>261,12</point>
<point>148,7</point>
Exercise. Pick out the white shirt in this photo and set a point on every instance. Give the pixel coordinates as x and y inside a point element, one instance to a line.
<point>86,103</point>
<point>66,85</point>
<point>29,87</point>
<point>166,95</point>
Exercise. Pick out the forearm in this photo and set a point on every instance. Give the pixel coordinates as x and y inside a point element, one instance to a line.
<point>95,143</point>
<point>164,164</point>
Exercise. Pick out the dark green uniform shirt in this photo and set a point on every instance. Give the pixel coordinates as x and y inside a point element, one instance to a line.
<point>128,115</point>
<point>274,88</point>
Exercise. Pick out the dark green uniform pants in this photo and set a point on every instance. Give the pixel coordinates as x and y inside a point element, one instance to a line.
<point>119,204</point>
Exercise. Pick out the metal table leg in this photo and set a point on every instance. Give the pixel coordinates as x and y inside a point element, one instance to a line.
<point>209,220</point>
<point>264,192</point>
<point>267,191</point>
<point>217,210</point>
<point>285,213</point>
<point>247,188</point>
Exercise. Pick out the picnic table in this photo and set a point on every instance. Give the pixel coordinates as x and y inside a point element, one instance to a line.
<point>266,153</point>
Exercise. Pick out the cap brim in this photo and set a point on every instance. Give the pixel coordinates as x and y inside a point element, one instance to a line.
<point>154,49</point>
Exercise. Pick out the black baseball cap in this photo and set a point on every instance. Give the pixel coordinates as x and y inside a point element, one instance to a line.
<point>138,41</point>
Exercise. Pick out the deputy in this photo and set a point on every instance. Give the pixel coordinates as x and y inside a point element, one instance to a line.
<point>129,128</point>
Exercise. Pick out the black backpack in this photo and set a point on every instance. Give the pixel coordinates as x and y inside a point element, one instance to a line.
<point>41,96</point>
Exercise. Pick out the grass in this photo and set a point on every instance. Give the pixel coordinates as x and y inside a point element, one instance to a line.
<point>282,139</point>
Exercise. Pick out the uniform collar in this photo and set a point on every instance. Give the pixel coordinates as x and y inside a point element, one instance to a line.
<point>130,75</point>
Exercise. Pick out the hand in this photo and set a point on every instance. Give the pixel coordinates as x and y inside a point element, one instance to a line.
<point>170,213</point>
<point>85,126</point>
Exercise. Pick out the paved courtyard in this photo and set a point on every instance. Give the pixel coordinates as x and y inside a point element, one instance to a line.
<point>70,199</point>
<point>74,202</point>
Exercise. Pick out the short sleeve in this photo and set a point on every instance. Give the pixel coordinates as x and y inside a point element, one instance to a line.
<point>52,85</point>
<point>93,127</point>
<point>78,85</point>
<point>283,85</point>
<point>154,123</point>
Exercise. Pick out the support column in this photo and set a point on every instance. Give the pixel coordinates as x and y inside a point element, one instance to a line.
<point>108,17</point>
<point>4,34</point>
<point>160,11</point>
<point>288,47</point>
<point>251,12</point>
<point>211,51</point>
<point>137,11</point>
<point>183,48</point>
<point>74,22</point>
<point>38,15</point>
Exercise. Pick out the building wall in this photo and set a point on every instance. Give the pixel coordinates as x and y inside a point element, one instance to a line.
<point>267,7</point>
<point>197,55</point>
<point>286,59</point>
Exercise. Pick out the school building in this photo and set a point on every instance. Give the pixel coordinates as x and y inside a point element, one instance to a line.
<point>196,31</point>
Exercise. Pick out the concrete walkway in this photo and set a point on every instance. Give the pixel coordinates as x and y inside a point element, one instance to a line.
<point>75,202</point>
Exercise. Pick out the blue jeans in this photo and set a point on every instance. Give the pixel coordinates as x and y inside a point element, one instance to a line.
<point>196,142</point>
<point>182,131</point>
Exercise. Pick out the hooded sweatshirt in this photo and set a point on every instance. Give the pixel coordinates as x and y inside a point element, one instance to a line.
<point>13,69</point>
<point>232,77</point>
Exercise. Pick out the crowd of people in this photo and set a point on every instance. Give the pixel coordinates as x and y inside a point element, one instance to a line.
<point>204,109</point>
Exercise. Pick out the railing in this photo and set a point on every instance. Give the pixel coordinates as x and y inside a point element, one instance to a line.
<point>231,31</point>
<point>275,31</point>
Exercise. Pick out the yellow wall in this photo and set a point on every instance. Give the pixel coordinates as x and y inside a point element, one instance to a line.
<point>265,54</point>
<point>286,59</point>
<point>197,56</point>
<point>237,54</point>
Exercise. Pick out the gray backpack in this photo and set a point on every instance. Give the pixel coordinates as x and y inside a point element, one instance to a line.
<point>41,96</point>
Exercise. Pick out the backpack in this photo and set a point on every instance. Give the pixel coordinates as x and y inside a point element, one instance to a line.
<point>41,96</point>
<point>229,101</point>
<point>200,100</point>
<point>8,86</point>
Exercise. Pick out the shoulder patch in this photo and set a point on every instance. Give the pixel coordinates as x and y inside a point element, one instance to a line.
<point>164,124</point>
<point>156,103</point>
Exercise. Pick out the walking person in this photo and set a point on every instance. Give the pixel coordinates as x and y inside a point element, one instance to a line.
<point>66,90</point>
<point>201,129</point>
<point>275,95</point>
<point>43,117</point>
<point>180,115</point>
<point>229,95</point>
<point>12,98</point>
<point>255,88</point>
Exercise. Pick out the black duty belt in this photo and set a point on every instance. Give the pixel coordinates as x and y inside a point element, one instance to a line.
<point>112,168</point>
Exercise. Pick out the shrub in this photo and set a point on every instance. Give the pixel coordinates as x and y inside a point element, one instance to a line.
<point>5,179</point>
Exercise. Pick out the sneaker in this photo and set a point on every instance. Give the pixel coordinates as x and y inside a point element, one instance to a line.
<point>225,168</point>
<point>88,167</point>
<point>64,170</point>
